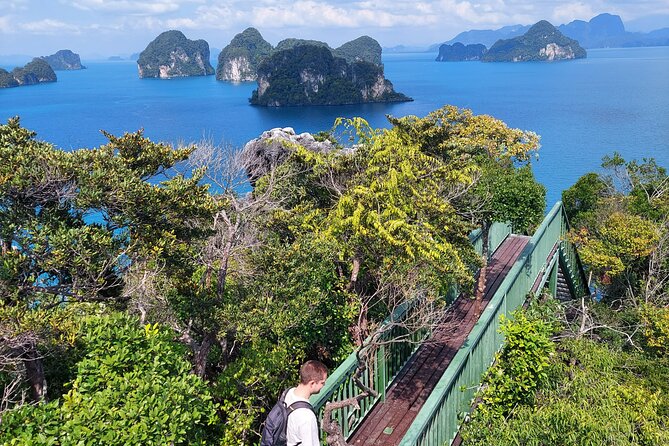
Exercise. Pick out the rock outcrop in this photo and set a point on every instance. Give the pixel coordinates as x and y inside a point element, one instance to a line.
<point>35,72</point>
<point>542,42</point>
<point>239,61</point>
<point>459,52</point>
<point>262,154</point>
<point>64,60</point>
<point>171,55</point>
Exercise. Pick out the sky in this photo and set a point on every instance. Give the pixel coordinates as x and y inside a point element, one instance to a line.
<point>101,28</point>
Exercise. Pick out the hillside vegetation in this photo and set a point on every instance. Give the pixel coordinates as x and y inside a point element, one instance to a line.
<point>144,300</point>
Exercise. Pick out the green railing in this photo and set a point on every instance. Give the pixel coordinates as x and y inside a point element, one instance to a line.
<point>498,233</point>
<point>439,419</point>
<point>392,350</point>
<point>389,357</point>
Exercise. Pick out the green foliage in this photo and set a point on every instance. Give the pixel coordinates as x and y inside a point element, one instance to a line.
<point>521,365</point>
<point>596,396</point>
<point>189,57</point>
<point>362,49</point>
<point>581,199</point>
<point>132,386</point>
<point>77,219</point>
<point>290,43</point>
<point>513,195</point>
<point>250,386</point>
<point>656,328</point>
<point>621,226</point>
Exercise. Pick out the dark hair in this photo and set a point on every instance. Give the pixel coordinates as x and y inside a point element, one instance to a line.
<point>312,371</point>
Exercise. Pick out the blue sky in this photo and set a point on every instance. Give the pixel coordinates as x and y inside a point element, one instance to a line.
<point>105,27</point>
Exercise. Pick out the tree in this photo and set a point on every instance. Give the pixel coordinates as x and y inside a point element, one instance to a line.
<point>394,205</point>
<point>132,386</point>
<point>485,153</point>
<point>73,224</point>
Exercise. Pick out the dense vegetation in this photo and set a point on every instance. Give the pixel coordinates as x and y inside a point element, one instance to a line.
<point>178,55</point>
<point>312,75</point>
<point>143,300</point>
<point>593,372</point>
<point>362,49</point>
<point>248,45</point>
<point>34,72</point>
<point>534,46</point>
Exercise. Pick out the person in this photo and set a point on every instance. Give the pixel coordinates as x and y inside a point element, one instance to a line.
<point>302,428</point>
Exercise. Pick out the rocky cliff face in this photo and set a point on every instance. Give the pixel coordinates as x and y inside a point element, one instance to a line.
<point>64,60</point>
<point>311,75</point>
<point>238,62</point>
<point>542,42</point>
<point>171,54</point>
<point>35,72</point>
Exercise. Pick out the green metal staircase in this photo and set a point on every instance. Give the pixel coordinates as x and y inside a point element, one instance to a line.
<point>548,260</point>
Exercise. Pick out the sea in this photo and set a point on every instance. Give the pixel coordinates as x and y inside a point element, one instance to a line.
<point>615,100</point>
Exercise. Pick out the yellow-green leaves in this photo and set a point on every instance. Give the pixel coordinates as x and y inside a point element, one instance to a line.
<point>616,243</point>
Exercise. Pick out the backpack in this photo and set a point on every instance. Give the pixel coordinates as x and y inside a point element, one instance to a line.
<point>274,430</point>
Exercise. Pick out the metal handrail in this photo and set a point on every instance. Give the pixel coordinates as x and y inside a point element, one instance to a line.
<point>389,358</point>
<point>439,419</point>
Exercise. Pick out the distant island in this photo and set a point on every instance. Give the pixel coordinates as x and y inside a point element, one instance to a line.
<point>35,72</point>
<point>171,55</point>
<point>542,42</point>
<point>307,72</point>
<point>459,52</point>
<point>64,60</point>
<point>602,31</point>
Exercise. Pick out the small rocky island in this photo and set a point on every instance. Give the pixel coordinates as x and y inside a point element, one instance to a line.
<point>312,75</point>
<point>64,60</point>
<point>459,52</point>
<point>307,72</point>
<point>171,55</point>
<point>35,72</point>
<point>542,42</point>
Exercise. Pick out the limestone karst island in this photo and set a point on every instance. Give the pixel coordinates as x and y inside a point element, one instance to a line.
<point>171,55</point>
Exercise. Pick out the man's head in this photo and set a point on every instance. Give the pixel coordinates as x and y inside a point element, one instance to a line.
<point>313,375</point>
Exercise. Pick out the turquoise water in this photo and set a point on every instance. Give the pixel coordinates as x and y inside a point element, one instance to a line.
<point>616,99</point>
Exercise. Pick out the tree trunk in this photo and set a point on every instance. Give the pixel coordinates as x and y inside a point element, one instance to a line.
<point>355,270</point>
<point>485,251</point>
<point>35,374</point>
<point>201,354</point>
<point>6,245</point>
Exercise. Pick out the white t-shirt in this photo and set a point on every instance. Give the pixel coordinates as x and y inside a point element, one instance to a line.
<point>302,426</point>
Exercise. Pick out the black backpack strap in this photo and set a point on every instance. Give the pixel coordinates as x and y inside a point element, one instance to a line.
<point>300,405</point>
<point>304,405</point>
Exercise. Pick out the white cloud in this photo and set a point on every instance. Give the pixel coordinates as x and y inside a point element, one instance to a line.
<point>49,26</point>
<point>145,7</point>
<point>570,11</point>
<point>5,25</point>
<point>309,13</point>
<point>13,5</point>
